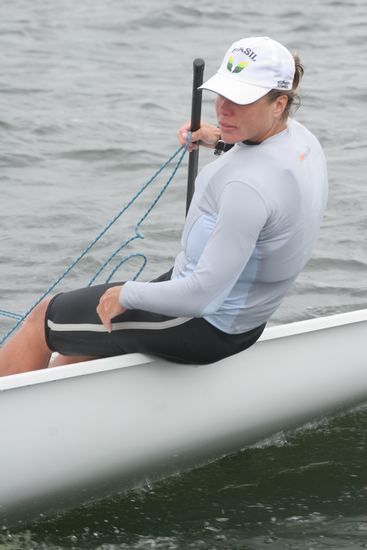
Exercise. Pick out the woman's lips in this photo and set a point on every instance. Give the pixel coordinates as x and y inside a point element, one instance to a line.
<point>226,127</point>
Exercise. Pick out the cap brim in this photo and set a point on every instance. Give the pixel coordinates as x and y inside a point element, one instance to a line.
<point>237,91</point>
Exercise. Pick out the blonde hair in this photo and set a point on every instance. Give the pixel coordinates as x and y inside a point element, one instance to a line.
<point>294,99</point>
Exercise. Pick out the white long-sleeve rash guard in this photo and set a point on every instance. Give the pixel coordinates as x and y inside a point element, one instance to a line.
<point>254,217</point>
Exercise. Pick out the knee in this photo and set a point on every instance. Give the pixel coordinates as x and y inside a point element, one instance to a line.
<point>36,318</point>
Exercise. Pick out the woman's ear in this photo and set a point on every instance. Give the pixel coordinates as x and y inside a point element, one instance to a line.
<point>280,105</point>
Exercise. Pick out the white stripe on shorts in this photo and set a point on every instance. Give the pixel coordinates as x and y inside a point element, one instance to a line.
<point>132,325</point>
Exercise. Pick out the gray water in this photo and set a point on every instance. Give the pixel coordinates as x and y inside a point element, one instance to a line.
<point>91,96</point>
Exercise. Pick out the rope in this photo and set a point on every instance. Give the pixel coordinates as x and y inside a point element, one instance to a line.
<point>10,314</point>
<point>137,235</point>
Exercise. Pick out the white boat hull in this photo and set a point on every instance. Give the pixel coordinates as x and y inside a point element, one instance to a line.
<point>75,433</point>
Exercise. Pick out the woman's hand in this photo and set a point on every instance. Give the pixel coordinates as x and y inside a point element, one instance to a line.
<point>109,306</point>
<point>207,135</point>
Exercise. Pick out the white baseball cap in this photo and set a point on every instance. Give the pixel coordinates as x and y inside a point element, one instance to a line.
<point>251,68</point>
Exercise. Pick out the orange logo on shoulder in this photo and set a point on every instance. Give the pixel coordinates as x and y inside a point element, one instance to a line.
<point>305,154</point>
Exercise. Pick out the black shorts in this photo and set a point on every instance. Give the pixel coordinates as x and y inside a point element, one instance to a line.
<point>74,328</point>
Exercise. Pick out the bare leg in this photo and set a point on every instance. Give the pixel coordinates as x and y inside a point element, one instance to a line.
<point>27,349</point>
<point>69,360</point>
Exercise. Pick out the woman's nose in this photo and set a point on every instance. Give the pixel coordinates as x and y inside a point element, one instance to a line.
<point>224,105</point>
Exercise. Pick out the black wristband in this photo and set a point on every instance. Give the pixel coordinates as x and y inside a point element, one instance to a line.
<point>222,147</point>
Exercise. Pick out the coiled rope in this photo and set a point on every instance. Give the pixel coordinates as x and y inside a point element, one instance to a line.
<point>137,235</point>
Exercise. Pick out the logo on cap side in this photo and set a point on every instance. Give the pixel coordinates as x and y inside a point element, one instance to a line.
<point>284,84</point>
<point>238,68</point>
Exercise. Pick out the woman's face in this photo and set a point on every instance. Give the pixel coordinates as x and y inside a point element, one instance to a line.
<point>255,122</point>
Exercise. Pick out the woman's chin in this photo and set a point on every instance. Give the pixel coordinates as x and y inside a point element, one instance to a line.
<point>230,137</point>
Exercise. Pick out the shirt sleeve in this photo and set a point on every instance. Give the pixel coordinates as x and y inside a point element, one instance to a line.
<point>241,216</point>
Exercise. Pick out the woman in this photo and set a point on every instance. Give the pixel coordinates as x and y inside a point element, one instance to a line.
<point>253,220</point>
